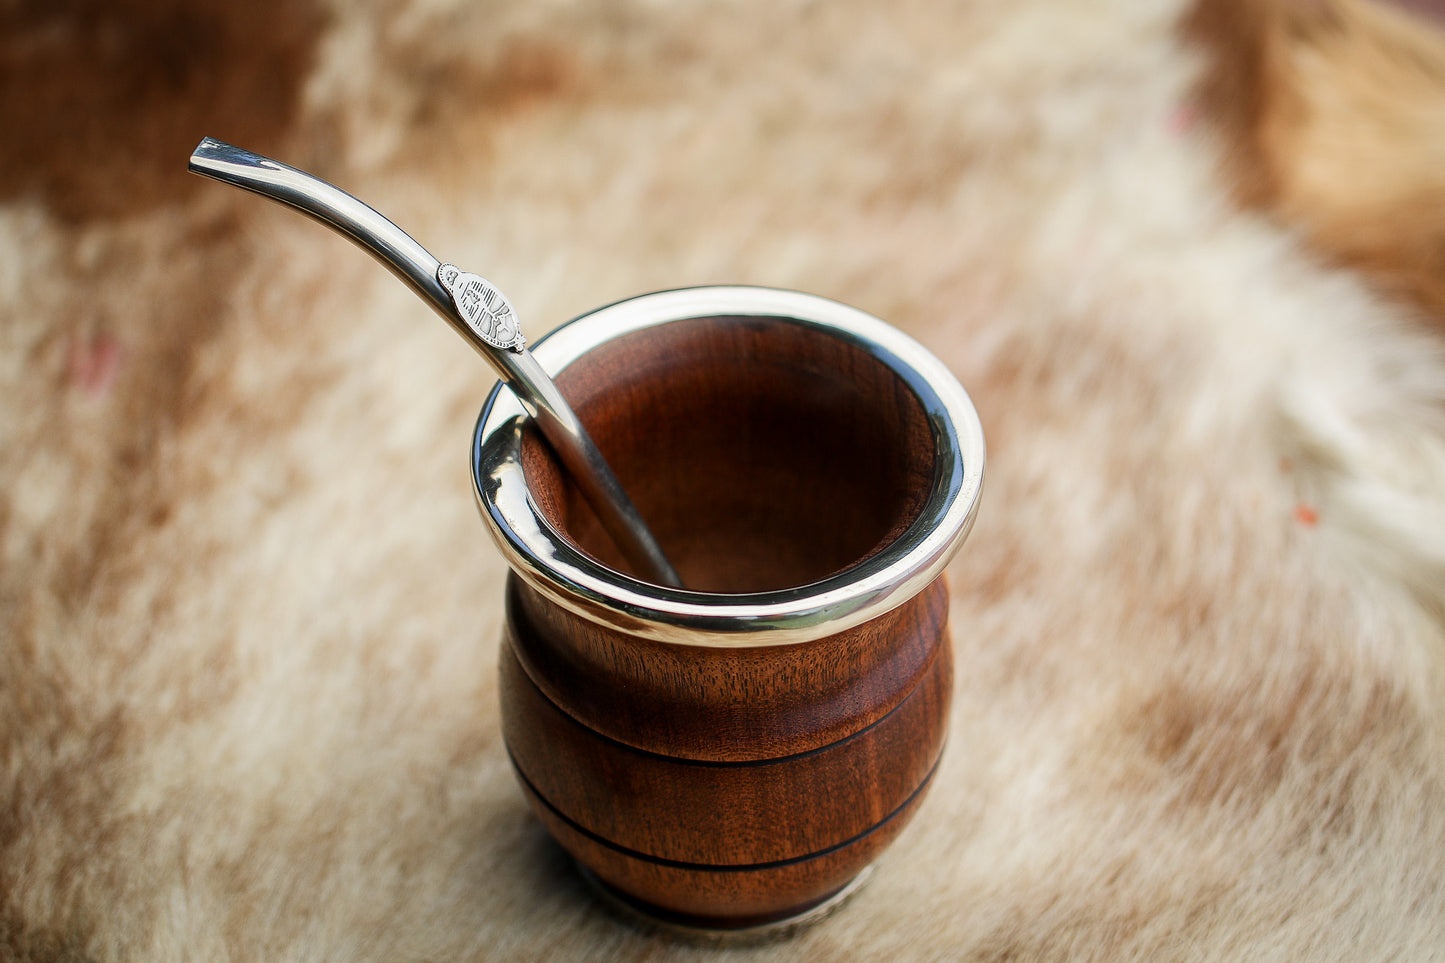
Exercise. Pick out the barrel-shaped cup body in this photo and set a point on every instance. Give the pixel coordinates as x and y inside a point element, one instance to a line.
<point>734,752</point>
<point>725,787</point>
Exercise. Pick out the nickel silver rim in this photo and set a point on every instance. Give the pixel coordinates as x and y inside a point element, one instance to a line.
<point>543,558</point>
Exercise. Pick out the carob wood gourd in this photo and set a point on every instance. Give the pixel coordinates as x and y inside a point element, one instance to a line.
<point>727,787</point>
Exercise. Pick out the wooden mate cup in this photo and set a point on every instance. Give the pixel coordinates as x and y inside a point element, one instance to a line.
<point>730,756</point>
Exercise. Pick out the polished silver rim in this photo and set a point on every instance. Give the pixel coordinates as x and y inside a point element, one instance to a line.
<point>550,564</point>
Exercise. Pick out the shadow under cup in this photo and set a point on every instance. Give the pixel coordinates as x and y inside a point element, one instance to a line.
<point>733,754</point>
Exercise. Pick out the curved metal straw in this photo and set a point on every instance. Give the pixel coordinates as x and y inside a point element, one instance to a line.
<point>410,261</point>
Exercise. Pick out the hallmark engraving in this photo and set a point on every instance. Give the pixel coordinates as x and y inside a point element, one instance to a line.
<point>485,309</point>
<point>447,274</point>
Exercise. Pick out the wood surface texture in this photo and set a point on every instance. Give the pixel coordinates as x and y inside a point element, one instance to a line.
<point>729,843</point>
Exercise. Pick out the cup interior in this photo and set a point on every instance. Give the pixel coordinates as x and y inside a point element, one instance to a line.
<point>764,453</point>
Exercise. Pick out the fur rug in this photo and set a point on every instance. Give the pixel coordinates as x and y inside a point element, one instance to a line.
<point>1188,266</point>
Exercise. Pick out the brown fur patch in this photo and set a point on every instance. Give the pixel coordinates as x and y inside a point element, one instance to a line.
<point>18,944</point>
<point>525,72</point>
<point>111,98</point>
<point>108,95</point>
<point>1237,744</point>
<point>1334,112</point>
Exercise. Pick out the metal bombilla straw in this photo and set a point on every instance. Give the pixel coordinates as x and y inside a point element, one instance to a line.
<point>476,310</point>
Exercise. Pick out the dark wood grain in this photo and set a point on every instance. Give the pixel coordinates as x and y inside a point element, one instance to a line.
<point>727,786</point>
<point>761,454</point>
<point>724,898</point>
<point>725,705</point>
<point>724,812</point>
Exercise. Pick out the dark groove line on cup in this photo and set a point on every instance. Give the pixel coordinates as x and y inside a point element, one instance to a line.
<point>721,867</point>
<point>716,932</point>
<point>727,763</point>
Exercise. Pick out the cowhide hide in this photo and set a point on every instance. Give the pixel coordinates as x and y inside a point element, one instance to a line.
<point>1188,263</point>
